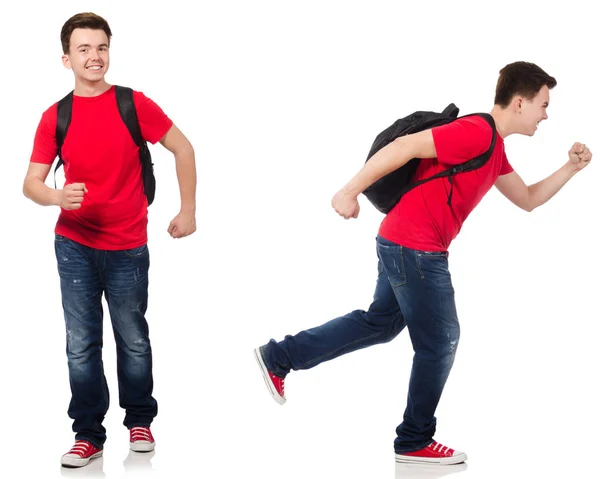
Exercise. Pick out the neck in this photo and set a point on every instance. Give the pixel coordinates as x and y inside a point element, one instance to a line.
<point>502,117</point>
<point>90,89</point>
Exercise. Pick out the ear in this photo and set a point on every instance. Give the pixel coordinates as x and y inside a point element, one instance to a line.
<point>66,61</point>
<point>517,104</point>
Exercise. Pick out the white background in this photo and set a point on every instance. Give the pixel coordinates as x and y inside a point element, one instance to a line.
<point>282,101</point>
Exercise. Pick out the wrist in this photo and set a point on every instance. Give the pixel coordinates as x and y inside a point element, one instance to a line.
<point>351,190</point>
<point>55,197</point>
<point>188,208</point>
<point>571,168</point>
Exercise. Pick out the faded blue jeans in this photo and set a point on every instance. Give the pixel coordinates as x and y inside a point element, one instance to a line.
<point>122,276</point>
<point>414,289</point>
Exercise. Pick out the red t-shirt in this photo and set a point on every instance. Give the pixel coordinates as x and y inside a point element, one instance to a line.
<point>98,150</point>
<point>422,219</point>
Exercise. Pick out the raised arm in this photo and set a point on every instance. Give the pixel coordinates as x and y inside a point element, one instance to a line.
<point>530,197</point>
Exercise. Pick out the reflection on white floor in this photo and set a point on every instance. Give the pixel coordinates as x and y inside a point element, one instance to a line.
<point>427,471</point>
<point>95,468</point>
<point>134,463</point>
<point>139,461</point>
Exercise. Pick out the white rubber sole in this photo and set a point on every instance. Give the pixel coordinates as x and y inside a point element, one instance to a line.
<point>265,372</point>
<point>72,460</point>
<point>456,459</point>
<point>142,446</point>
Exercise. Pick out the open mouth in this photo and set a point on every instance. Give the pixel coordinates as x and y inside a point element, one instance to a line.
<point>94,68</point>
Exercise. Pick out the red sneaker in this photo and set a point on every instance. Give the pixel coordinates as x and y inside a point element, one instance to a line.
<point>140,439</point>
<point>80,454</point>
<point>435,453</point>
<point>274,383</point>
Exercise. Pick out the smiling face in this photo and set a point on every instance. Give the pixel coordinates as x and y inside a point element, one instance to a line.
<point>522,97</point>
<point>88,55</point>
<point>532,111</point>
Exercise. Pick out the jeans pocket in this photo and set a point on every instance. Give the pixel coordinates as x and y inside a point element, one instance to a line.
<point>136,252</point>
<point>433,265</point>
<point>59,238</point>
<point>392,261</point>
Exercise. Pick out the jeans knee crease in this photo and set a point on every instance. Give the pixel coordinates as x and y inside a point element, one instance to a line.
<point>320,358</point>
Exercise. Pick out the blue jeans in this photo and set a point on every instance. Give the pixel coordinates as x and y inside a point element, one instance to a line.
<point>414,289</point>
<point>122,276</point>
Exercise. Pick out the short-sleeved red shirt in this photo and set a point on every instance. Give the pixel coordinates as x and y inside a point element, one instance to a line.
<point>422,219</point>
<point>99,151</point>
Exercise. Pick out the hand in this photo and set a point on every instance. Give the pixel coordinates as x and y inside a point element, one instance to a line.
<point>345,204</point>
<point>71,196</point>
<point>184,224</point>
<point>579,156</point>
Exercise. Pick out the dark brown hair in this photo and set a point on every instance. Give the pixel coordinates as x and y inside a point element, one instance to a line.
<point>82,20</point>
<point>521,78</point>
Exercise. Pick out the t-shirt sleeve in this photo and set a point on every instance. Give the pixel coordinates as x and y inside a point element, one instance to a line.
<point>154,123</point>
<point>461,140</point>
<point>44,143</point>
<point>506,167</point>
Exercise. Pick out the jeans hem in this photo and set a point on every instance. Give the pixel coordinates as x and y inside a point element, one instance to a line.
<point>427,443</point>
<point>141,424</point>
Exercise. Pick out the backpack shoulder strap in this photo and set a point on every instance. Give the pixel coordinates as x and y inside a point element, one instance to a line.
<point>64,110</point>
<point>481,159</point>
<point>468,165</point>
<point>128,114</point>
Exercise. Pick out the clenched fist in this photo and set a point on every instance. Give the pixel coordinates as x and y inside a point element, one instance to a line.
<point>71,196</point>
<point>345,204</point>
<point>184,224</point>
<point>580,156</point>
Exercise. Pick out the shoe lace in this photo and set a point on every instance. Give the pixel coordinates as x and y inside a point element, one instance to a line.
<point>438,447</point>
<point>140,434</point>
<point>80,448</point>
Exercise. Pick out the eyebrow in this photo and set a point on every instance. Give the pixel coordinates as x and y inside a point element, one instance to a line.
<point>88,45</point>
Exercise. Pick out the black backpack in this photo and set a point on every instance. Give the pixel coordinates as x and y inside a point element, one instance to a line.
<point>386,192</point>
<point>129,116</point>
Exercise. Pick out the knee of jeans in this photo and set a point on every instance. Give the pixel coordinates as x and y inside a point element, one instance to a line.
<point>141,345</point>
<point>80,348</point>
<point>453,338</point>
<point>394,329</point>
<point>136,343</point>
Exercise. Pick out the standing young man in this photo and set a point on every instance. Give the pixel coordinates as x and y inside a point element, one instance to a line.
<point>414,288</point>
<point>101,235</point>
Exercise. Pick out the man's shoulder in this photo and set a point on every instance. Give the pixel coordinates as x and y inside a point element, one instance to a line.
<point>52,110</point>
<point>139,97</point>
<point>49,115</point>
<point>472,126</point>
<point>476,120</point>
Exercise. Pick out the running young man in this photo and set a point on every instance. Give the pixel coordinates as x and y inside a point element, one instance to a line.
<point>101,235</point>
<point>414,288</point>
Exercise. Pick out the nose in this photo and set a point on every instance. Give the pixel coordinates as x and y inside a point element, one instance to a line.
<point>94,54</point>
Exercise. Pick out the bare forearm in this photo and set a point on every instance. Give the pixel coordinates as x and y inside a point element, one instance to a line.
<point>38,192</point>
<point>185,165</point>
<point>541,192</point>
<point>386,160</point>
